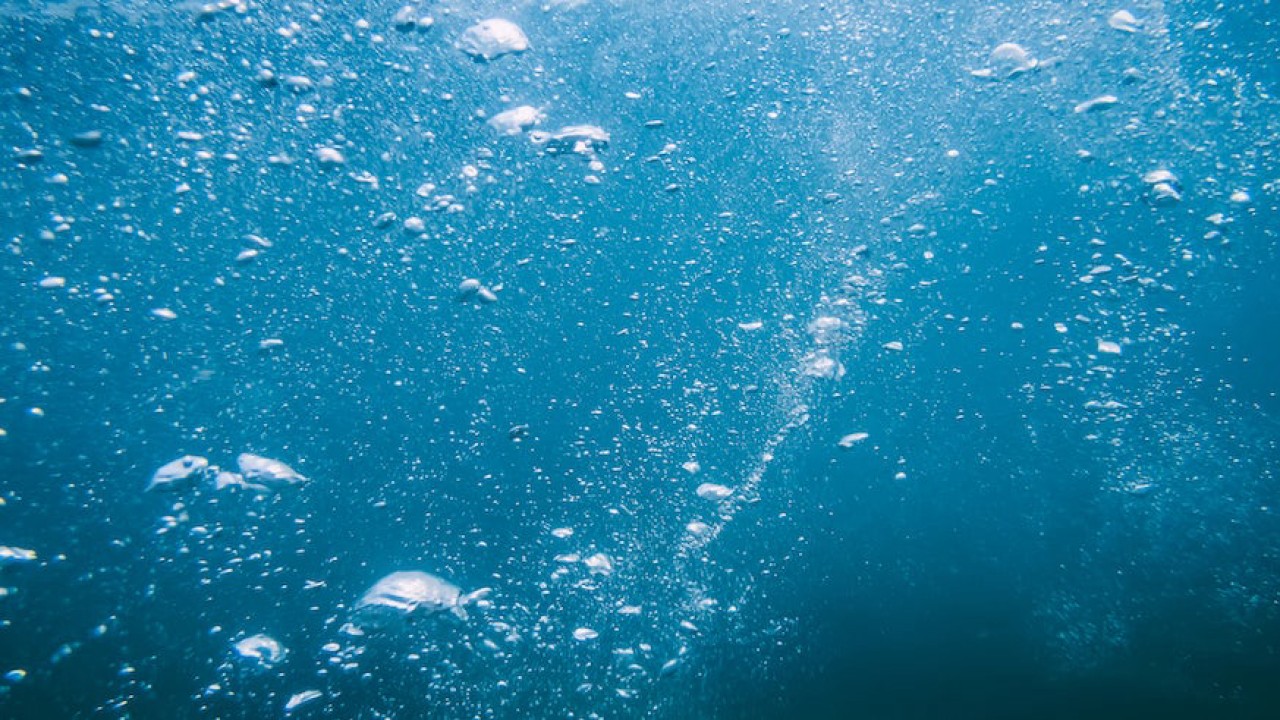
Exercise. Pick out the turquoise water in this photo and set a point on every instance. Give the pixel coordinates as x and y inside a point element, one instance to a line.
<point>770,360</point>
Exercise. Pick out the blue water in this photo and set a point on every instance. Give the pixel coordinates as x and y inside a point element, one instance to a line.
<point>1033,525</point>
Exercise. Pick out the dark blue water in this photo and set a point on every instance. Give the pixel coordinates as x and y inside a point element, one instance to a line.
<point>1033,526</point>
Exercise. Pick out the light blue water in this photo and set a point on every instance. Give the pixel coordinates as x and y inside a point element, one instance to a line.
<point>808,221</point>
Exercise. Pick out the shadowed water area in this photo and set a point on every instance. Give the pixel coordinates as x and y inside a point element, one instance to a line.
<point>604,359</point>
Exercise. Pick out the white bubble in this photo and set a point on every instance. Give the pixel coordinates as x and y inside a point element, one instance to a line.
<point>516,120</point>
<point>330,156</point>
<point>265,474</point>
<point>1006,61</point>
<point>473,288</point>
<point>224,479</point>
<point>414,225</point>
<point>261,651</point>
<point>178,473</point>
<point>297,700</point>
<point>1165,194</point>
<point>599,564</point>
<point>852,439</point>
<point>697,527</point>
<point>580,139</point>
<point>713,492</point>
<point>411,18</point>
<point>87,139</point>
<point>400,595</point>
<point>11,555</point>
<point>1124,21</point>
<point>1102,102</point>
<point>493,38</point>
<point>1165,188</point>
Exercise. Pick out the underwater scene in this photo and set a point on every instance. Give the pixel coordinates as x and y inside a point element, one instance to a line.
<point>394,359</point>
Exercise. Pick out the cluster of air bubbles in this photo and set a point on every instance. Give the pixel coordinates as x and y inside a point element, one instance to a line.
<point>254,473</point>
